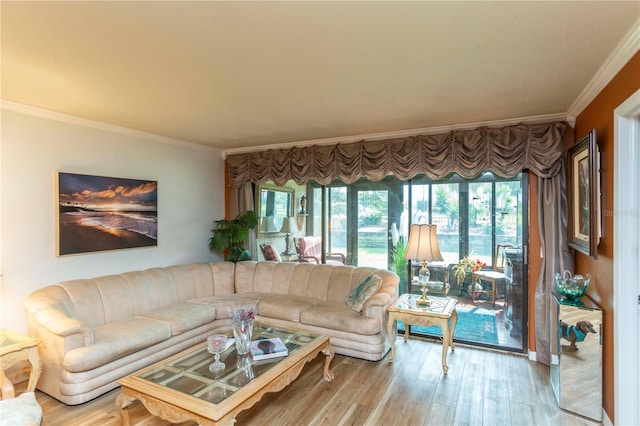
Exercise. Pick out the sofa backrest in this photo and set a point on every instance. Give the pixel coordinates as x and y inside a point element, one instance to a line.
<point>110,298</point>
<point>322,282</point>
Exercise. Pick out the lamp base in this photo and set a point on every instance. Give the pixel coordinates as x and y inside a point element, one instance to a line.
<point>424,278</point>
<point>288,252</point>
<point>424,300</point>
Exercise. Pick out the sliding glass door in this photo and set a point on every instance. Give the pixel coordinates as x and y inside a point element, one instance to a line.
<point>370,221</point>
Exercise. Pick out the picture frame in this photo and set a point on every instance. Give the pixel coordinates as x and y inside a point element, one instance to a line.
<point>98,213</point>
<point>584,196</point>
<point>273,205</point>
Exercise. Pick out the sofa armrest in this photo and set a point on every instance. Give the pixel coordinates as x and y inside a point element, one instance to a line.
<point>378,299</point>
<point>67,327</point>
<point>59,324</point>
<point>376,305</point>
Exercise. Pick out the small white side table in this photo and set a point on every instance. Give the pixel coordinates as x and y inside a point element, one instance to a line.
<point>16,347</point>
<point>442,313</point>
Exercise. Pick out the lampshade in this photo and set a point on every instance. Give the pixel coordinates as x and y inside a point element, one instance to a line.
<point>423,243</point>
<point>288,226</point>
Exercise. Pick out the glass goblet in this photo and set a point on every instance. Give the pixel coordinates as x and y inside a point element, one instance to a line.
<point>216,345</point>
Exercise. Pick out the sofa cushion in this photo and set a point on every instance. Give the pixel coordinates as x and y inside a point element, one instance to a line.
<point>221,303</point>
<point>361,292</point>
<point>340,317</point>
<point>115,340</point>
<point>183,316</point>
<point>286,308</point>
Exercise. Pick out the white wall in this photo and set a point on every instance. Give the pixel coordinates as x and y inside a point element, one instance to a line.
<point>36,146</point>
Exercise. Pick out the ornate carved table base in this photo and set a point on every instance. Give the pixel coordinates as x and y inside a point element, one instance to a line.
<point>184,407</point>
<point>15,347</point>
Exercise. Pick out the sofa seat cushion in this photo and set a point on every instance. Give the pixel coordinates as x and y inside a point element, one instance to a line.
<point>287,308</point>
<point>183,316</point>
<point>221,303</point>
<point>340,317</point>
<point>115,340</point>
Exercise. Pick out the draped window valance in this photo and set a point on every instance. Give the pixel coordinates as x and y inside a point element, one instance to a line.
<point>505,151</point>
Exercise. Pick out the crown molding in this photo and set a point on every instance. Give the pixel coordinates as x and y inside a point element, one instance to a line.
<point>71,119</point>
<point>625,50</point>
<point>405,133</point>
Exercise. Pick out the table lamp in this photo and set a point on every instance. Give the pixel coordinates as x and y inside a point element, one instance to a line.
<point>423,247</point>
<point>288,228</point>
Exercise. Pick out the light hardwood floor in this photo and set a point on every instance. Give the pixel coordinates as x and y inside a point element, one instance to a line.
<point>482,388</point>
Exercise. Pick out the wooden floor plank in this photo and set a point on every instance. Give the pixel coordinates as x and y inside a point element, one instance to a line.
<point>482,388</point>
<point>495,405</point>
<point>418,404</point>
<point>441,415</point>
<point>394,399</point>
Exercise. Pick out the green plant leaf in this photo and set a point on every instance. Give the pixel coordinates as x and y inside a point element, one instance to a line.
<point>231,234</point>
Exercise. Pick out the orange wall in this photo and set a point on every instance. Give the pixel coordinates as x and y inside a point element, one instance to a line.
<point>599,116</point>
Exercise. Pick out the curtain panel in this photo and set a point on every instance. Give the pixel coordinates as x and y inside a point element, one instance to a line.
<point>556,255</point>
<point>505,151</point>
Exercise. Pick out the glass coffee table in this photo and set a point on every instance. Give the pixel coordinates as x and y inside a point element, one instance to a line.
<point>183,387</point>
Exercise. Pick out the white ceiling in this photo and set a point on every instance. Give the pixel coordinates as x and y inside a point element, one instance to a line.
<point>246,74</point>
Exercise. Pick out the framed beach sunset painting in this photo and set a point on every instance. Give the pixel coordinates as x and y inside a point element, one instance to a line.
<point>97,213</point>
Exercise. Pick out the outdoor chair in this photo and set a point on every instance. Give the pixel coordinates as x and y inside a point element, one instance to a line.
<point>310,250</point>
<point>493,277</point>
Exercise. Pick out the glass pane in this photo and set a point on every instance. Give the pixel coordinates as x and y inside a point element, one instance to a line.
<point>446,214</point>
<point>480,226</point>
<point>420,204</point>
<point>316,208</point>
<point>373,228</point>
<point>337,220</point>
<point>508,213</point>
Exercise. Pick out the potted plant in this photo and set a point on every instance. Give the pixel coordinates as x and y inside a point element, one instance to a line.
<point>465,266</point>
<point>231,234</point>
<point>398,262</point>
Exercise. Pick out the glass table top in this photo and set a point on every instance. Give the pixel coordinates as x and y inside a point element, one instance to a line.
<point>438,305</point>
<point>190,373</point>
<point>11,342</point>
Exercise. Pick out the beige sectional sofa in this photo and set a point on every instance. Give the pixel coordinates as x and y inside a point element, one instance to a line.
<point>95,331</point>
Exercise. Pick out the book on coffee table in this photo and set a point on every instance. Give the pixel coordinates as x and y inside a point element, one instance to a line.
<point>268,348</point>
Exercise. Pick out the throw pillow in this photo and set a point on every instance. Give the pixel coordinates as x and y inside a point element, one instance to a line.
<point>271,253</point>
<point>363,291</point>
